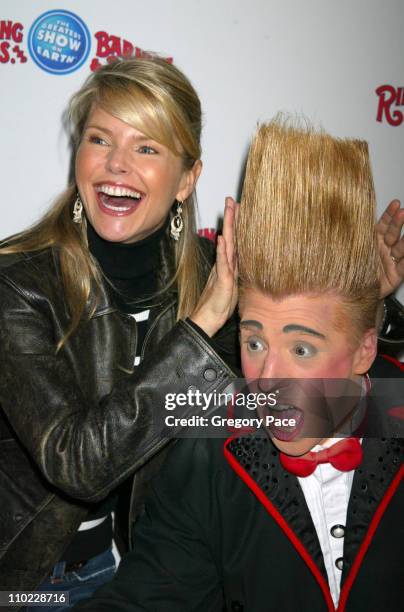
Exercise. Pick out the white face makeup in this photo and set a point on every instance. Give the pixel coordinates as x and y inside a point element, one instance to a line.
<point>297,338</point>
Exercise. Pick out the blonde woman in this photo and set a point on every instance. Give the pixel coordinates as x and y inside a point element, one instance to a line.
<point>88,297</point>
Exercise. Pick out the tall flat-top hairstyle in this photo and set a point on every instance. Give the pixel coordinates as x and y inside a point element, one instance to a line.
<point>307,218</point>
<point>157,99</point>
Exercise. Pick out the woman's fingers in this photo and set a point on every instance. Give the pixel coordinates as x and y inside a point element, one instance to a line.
<point>223,266</point>
<point>225,277</point>
<point>229,228</point>
<point>219,297</point>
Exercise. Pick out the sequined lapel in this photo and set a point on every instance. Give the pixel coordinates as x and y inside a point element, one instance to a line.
<point>257,457</point>
<point>381,462</point>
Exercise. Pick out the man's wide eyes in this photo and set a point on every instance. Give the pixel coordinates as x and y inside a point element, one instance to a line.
<point>304,349</point>
<point>254,345</point>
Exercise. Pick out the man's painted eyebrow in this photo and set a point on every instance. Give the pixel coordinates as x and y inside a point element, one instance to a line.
<point>307,330</point>
<point>251,323</point>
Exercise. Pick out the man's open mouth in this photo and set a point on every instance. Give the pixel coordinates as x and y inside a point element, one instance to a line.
<point>284,421</point>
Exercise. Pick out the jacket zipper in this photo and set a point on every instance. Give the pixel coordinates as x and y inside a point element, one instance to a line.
<point>163,442</point>
<point>152,327</point>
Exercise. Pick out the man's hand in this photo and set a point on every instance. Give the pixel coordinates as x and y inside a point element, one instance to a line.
<point>391,247</point>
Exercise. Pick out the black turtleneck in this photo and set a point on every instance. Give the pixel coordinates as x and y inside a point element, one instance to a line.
<point>132,269</point>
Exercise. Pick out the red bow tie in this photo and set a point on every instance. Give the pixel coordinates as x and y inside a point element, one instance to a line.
<point>344,455</point>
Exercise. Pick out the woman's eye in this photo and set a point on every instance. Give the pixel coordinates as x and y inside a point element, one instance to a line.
<point>254,345</point>
<point>147,150</point>
<point>304,350</point>
<point>97,140</point>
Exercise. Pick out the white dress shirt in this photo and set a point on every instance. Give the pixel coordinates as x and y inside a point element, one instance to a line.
<point>327,493</point>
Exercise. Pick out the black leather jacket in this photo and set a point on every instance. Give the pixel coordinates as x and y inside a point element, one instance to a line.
<point>75,424</point>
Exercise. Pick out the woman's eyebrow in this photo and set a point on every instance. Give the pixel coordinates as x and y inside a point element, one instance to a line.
<point>94,126</point>
<point>307,330</point>
<point>137,137</point>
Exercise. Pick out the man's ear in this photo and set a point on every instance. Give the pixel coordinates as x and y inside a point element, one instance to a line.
<point>189,180</point>
<point>366,352</point>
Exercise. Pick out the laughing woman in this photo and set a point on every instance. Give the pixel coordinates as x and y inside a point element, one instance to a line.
<point>88,297</point>
<point>92,332</point>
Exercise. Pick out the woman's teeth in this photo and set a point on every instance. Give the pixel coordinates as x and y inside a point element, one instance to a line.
<point>117,208</point>
<point>118,191</point>
<point>118,199</point>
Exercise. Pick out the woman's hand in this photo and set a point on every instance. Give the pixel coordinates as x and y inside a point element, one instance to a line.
<point>391,248</point>
<point>219,298</point>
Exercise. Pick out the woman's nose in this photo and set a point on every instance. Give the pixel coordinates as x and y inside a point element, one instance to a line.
<point>119,160</point>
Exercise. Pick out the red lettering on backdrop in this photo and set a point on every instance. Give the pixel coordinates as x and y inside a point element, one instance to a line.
<point>110,48</point>
<point>11,33</point>
<point>108,45</point>
<point>208,232</point>
<point>4,54</point>
<point>389,96</point>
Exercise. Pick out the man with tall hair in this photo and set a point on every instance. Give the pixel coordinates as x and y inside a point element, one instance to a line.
<point>304,514</point>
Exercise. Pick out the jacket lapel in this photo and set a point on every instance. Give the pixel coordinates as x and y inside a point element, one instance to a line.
<point>382,459</point>
<point>259,460</point>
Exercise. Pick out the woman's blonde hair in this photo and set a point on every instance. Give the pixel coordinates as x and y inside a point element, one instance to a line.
<point>157,99</point>
<point>307,218</point>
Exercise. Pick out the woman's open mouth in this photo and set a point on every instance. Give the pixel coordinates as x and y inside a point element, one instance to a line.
<point>117,200</point>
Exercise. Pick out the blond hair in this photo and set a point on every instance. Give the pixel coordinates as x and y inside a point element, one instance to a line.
<point>157,99</point>
<point>307,218</point>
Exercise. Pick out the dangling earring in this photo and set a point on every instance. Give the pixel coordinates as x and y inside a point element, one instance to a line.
<point>78,210</point>
<point>177,222</point>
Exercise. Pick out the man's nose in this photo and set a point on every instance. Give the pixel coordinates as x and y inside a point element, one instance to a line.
<point>272,369</point>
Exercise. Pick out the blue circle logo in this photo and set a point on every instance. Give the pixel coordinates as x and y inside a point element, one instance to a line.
<point>59,42</point>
